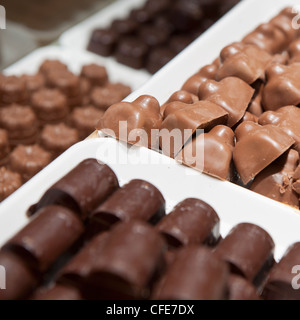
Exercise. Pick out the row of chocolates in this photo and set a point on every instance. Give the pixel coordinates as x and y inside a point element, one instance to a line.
<point>89,238</point>
<point>44,114</point>
<point>154,34</point>
<point>246,102</point>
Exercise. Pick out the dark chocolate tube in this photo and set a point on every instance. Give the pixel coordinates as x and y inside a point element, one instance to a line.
<point>196,274</point>
<point>132,257</point>
<point>17,281</point>
<point>284,280</point>
<point>46,237</point>
<point>249,251</point>
<point>191,222</point>
<point>82,189</point>
<point>136,200</point>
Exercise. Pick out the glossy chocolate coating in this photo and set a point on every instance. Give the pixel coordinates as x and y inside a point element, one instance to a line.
<point>85,119</point>
<point>247,62</point>
<point>141,114</point>
<point>286,118</point>
<point>9,182</point>
<point>58,293</point>
<point>241,289</point>
<point>133,254</point>
<point>223,93</point>
<point>248,250</point>
<point>191,222</point>
<point>132,52</point>
<point>20,281</point>
<point>79,267</point>
<point>20,123</point>
<point>283,86</point>
<point>46,237</point>
<point>294,51</point>
<point>58,137</point>
<point>183,281</point>
<point>276,181</point>
<point>257,147</point>
<point>159,57</point>
<point>103,41</point>
<point>50,105</point>
<point>82,189</point>
<point>200,115</point>
<point>282,277</point>
<point>137,200</point>
<point>12,90</point>
<point>29,160</point>
<point>182,96</point>
<point>216,158</point>
<point>95,74</point>
<point>255,106</point>
<point>206,73</point>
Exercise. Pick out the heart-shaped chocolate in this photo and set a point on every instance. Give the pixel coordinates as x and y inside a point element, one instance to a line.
<point>133,122</point>
<point>257,147</point>
<point>247,62</point>
<point>283,86</point>
<point>232,94</point>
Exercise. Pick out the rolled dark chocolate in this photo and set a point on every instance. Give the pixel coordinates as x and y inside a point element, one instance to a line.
<point>82,189</point>
<point>46,237</point>
<point>17,280</point>
<point>58,292</point>
<point>196,274</point>
<point>248,249</point>
<point>132,257</point>
<point>136,200</point>
<point>241,289</point>
<point>191,222</point>
<point>76,271</point>
<point>283,281</point>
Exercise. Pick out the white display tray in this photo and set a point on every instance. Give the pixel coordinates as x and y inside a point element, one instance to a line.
<point>75,59</point>
<point>233,204</point>
<point>236,24</point>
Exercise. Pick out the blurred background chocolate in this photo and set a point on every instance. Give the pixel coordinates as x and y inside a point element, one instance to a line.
<point>9,182</point>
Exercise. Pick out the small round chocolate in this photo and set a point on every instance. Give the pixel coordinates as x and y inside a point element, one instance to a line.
<point>52,65</point>
<point>67,82</point>
<point>4,145</point>
<point>103,98</point>
<point>9,183</point>
<point>29,160</point>
<point>20,122</point>
<point>85,119</point>
<point>95,74</point>
<point>103,42</point>
<point>50,105</point>
<point>58,138</point>
<point>33,82</point>
<point>13,90</point>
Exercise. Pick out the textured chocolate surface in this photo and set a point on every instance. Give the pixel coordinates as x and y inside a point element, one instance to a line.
<point>82,189</point>
<point>138,200</point>
<point>9,182</point>
<point>95,74</point>
<point>183,281</point>
<point>191,222</point>
<point>46,237</point>
<point>249,251</point>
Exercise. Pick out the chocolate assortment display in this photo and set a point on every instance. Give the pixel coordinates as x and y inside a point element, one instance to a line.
<point>43,114</point>
<point>247,104</point>
<point>138,252</point>
<point>154,34</point>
